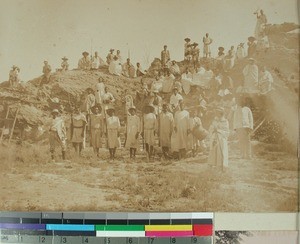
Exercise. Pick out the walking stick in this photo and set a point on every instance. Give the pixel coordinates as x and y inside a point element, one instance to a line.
<point>13,126</point>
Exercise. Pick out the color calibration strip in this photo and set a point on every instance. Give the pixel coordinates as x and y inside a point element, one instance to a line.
<point>103,226</point>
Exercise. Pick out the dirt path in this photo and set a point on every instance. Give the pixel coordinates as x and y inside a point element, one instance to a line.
<point>266,183</point>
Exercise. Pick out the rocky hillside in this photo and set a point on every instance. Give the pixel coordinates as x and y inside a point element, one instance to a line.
<point>282,60</point>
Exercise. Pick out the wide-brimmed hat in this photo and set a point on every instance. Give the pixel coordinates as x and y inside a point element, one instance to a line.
<point>251,39</point>
<point>221,49</point>
<point>85,53</point>
<point>187,39</point>
<point>111,50</point>
<point>64,58</point>
<point>195,44</point>
<point>14,67</point>
<point>89,89</point>
<point>149,108</point>
<point>132,108</point>
<point>93,109</point>
<point>55,111</point>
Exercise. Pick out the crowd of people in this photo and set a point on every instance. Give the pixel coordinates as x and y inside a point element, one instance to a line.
<point>164,120</point>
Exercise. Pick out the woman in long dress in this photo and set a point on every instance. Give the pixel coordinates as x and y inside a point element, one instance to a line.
<point>97,126</point>
<point>219,132</point>
<point>113,132</point>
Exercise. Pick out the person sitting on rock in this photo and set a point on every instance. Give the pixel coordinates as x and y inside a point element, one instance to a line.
<point>115,67</point>
<point>118,55</point>
<point>97,61</point>
<point>84,63</point>
<point>14,76</point>
<point>139,70</point>
<point>240,51</point>
<point>65,64</point>
<point>127,67</point>
<point>174,69</point>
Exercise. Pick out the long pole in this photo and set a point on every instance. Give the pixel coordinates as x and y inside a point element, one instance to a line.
<point>13,127</point>
<point>2,133</point>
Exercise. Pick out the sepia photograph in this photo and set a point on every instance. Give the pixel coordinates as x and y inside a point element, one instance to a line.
<point>149,105</point>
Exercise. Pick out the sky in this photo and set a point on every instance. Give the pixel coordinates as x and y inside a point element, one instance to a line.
<point>32,31</point>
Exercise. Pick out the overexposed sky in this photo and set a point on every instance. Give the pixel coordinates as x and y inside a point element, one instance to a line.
<point>32,31</point>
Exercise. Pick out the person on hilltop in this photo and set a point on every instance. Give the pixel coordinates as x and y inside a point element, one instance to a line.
<point>90,100</point>
<point>186,45</point>
<point>46,73</point>
<point>165,129</point>
<point>133,129</point>
<point>57,134</point>
<point>97,128</point>
<point>195,54</point>
<point>64,64</point>
<point>219,132</point>
<point>118,55</point>
<point>260,23</point>
<point>206,45</point>
<point>14,76</point>
<point>128,69</point>
<point>165,57</point>
<point>113,132</point>
<point>252,45</point>
<point>139,70</point>
<point>110,56</point>
<point>96,61</point>
<point>84,63</point>
<point>115,67</point>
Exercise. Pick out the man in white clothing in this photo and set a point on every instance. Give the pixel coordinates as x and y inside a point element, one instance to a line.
<point>243,125</point>
<point>265,81</point>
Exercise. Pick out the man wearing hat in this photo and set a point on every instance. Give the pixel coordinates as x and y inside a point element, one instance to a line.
<point>133,129</point>
<point>165,129</point>
<point>46,72</point>
<point>65,64</point>
<point>149,129</point>
<point>57,134</point>
<point>174,68</point>
<point>250,73</point>
<point>84,63</point>
<point>175,98</point>
<point>110,56</point>
<point>195,54</point>
<point>156,102</point>
<point>113,132</point>
<point>186,45</point>
<point>219,132</point>
<point>97,128</point>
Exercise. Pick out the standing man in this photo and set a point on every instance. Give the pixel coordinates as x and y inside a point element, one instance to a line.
<point>46,73</point>
<point>250,73</point>
<point>206,45</point>
<point>165,58</point>
<point>181,128</point>
<point>97,128</point>
<point>127,67</point>
<point>78,124</point>
<point>243,125</point>
<point>260,23</point>
<point>165,129</point>
<point>149,130</point>
<point>186,45</point>
<point>57,134</point>
<point>90,101</point>
<point>113,132</point>
<point>156,102</point>
<point>128,100</point>
<point>107,98</point>
<point>84,63</point>
<point>195,54</point>
<point>133,130</point>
